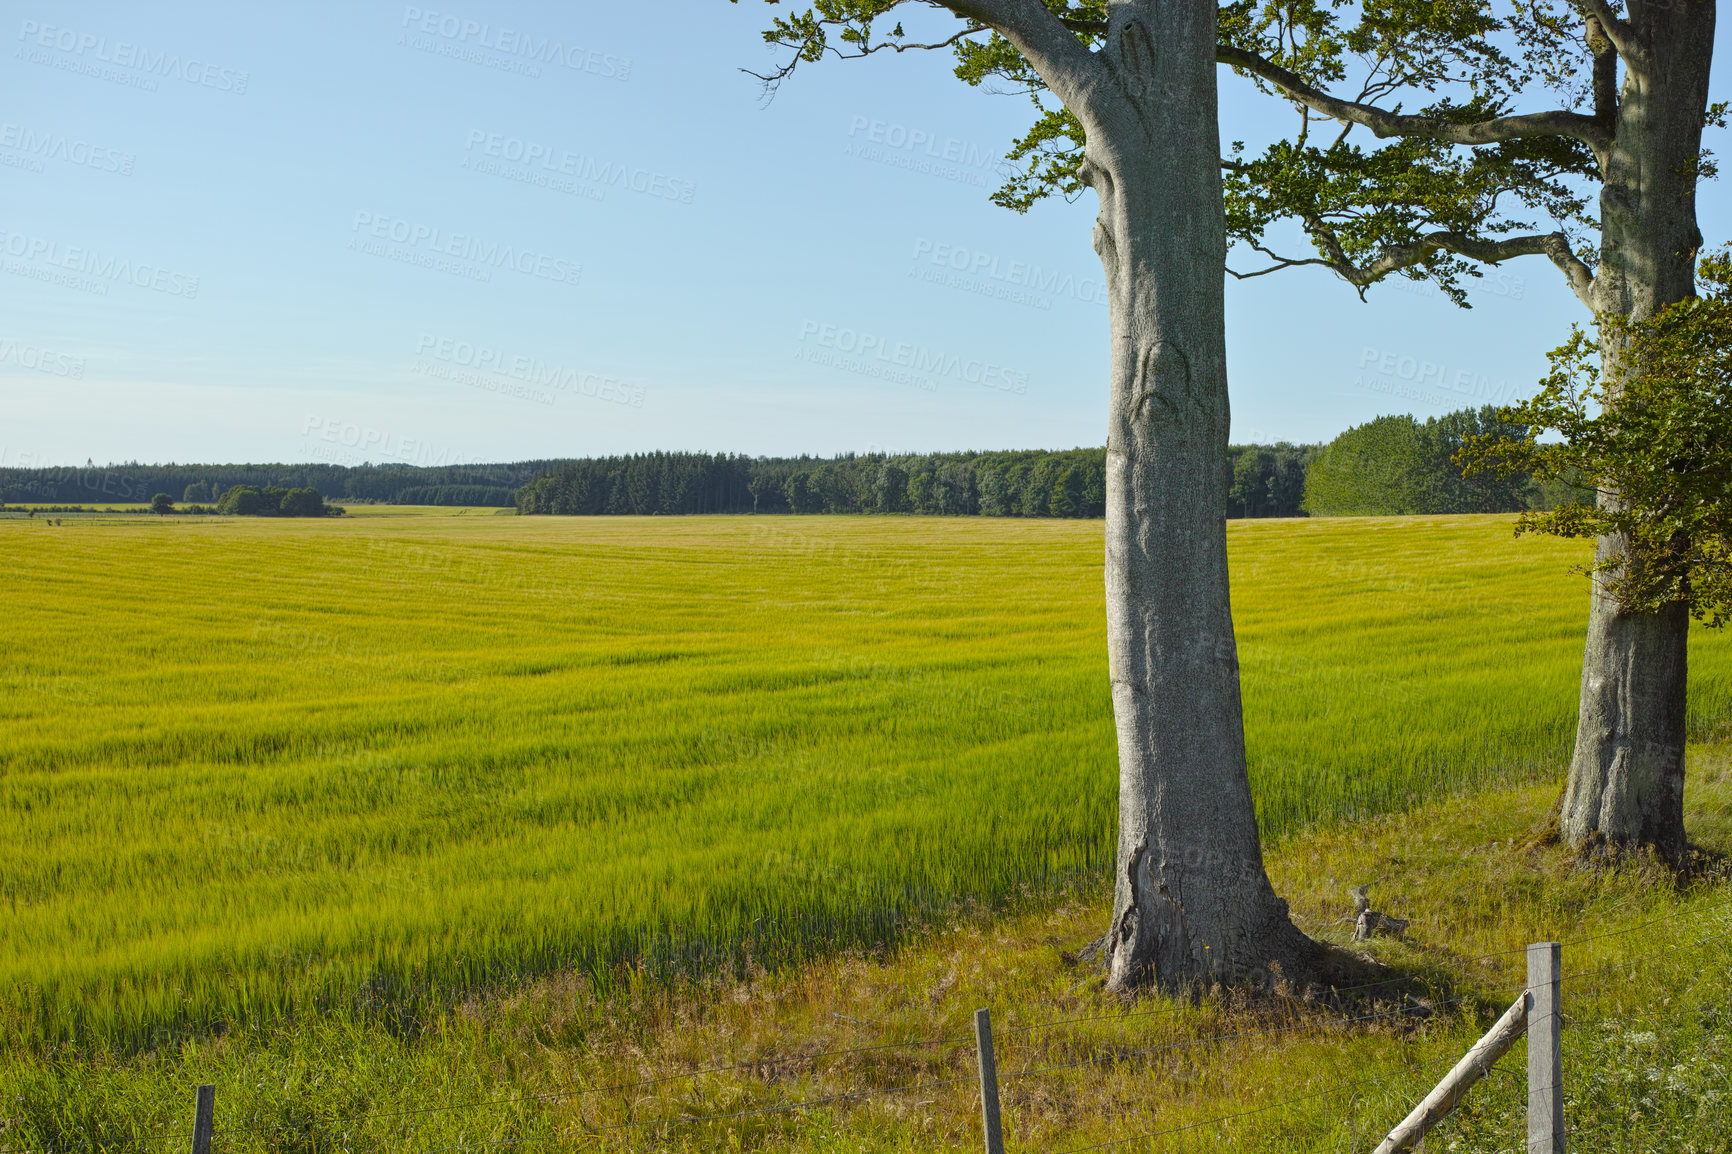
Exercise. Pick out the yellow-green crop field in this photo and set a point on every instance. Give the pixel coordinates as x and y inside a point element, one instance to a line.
<point>250,767</point>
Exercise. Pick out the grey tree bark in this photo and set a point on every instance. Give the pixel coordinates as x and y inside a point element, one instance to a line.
<point>1192,901</point>
<point>1626,780</point>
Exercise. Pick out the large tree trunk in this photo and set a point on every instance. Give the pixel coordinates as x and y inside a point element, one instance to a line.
<point>1192,902</point>
<point>1626,783</point>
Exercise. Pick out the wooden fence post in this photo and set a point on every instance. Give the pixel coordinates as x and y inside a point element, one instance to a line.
<point>202,1118</point>
<point>1545,1050</point>
<point>988,1082</point>
<point>1474,1065</point>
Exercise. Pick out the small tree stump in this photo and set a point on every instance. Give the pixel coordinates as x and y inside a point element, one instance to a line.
<point>1368,923</point>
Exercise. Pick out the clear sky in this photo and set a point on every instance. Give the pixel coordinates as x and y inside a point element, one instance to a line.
<point>376,231</point>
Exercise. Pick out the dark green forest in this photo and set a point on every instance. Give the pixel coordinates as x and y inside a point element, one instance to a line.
<point>205,484</point>
<point>1390,465</point>
<point>1395,465</point>
<point>1265,481</point>
<point>271,501</point>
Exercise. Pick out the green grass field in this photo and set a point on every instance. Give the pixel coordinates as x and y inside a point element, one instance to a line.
<point>255,766</point>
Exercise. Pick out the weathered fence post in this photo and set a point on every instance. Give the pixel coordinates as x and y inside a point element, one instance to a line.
<point>1545,1050</point>
<point>1474,1065</point>
<point>203,1116</point>
<point>988,1082</point>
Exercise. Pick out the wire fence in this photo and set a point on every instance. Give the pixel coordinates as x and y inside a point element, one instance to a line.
<point>1116,1055</point>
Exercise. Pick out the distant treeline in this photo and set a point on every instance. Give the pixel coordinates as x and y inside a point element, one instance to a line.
<point>1265,481</point>
<point>1396,465</point>
<point>455,495</point>
<point>1389,465</point>
<point>385,483</point>
<point>1010,484</point>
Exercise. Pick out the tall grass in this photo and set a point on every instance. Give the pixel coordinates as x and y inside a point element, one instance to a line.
<point>555,1066</point>
<point>251,768</point>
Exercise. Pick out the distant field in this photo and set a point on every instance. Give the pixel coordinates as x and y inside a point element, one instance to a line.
<point>252,763</point>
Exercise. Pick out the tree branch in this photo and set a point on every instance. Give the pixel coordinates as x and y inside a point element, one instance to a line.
<point>1618,31</point>
<point>1554,246</point>
<point>1048,42</point>
<point>1045,41</point>
<point>1087,27</point>
<point>1605,73</point>
<point>772,79</point>
<point>1386,124</point>
<point>1281,262</point>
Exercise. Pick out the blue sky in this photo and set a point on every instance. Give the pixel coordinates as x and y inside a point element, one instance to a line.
<point>361,231</point>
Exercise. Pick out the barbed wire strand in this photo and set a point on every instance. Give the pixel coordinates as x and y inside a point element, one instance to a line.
<point>1259,1110</point>
<point>762,1062</point>
<point>1630,963</point>
<point>784,1059</point>
<point>774,1060</point>
<point>1564,942</point>
<point>132,1141</point>
<point>826,1099</point>
<point>781,1059</point>
<point>1161,1012</point>
<point>786,1107</point>
<point>1307,1026</point>
<point>1505,953</point>
<point>1619,933</point>
<point>558,1095</point>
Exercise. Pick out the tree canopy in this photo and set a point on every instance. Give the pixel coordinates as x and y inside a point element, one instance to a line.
<point>246,501</point>
<point>1396,464</point>
<point>1659,453</point>
<point>1375,189</point>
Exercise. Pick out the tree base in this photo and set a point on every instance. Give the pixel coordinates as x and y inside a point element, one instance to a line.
<point>1282,958</point>
<point>1626,784</point>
